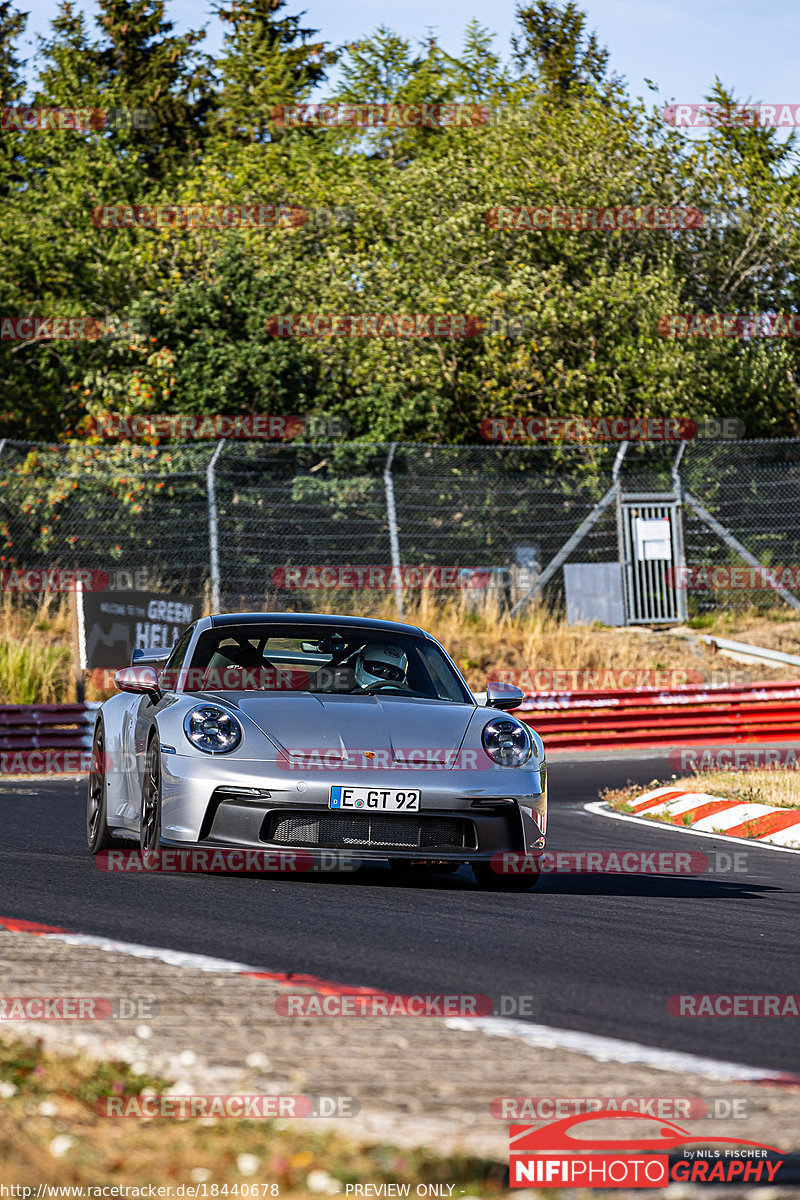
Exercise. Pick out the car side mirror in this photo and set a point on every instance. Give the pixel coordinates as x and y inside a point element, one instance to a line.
<point>141,681</point>
<point>503,695</point>
<point>142,656</point>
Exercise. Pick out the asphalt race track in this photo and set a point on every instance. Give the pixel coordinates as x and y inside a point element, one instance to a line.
<point>602,953</point>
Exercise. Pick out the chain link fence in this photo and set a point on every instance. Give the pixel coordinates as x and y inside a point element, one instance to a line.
<point>274,525</point>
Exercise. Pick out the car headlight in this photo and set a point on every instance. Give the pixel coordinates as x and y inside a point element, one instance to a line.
<point>212,729</point>
<point>506,742</point>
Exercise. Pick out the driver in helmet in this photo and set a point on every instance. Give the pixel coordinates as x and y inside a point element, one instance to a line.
<point>378,663</point>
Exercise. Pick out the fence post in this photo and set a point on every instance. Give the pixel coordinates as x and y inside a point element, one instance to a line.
<point>677,484</point>
<point>622,557</point>
<point>576,538</point>
<point>78,622</point>
<point>394,543</point>
<point>213,526</point>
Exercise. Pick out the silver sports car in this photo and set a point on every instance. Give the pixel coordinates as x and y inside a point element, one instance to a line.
<point>313,733</point>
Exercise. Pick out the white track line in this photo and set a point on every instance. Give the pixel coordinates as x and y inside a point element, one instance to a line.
<point>174,958</point>
<point>601,1049</point>
<point>600,808</point>
<point>607,1049</point>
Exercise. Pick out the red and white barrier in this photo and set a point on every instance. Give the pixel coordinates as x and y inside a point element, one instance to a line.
<point>711,814</point>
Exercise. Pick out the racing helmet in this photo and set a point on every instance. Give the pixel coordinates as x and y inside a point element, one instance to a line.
<point>377,663</point>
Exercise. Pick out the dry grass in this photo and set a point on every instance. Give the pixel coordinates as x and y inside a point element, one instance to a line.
<point>483,643</point>
<point>621,798</point>
<point>778,629</point>
<point>35,650</point>
<point>483,640</point>
<point>46,1098</point>
<point>753,786</point>
<point>35,644</point>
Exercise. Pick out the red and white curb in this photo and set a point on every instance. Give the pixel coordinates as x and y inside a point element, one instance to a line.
<point>601,1049</point>
<point>705,813</point>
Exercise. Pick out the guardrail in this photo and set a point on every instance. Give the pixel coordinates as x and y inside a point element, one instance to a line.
<point>57,738</point>
<point>48,739</point>
<point>766,711</point>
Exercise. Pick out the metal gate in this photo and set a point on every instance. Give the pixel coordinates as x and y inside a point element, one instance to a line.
<point>651,548</point>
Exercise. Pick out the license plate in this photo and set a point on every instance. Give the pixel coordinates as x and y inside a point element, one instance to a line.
<point>366,799</point>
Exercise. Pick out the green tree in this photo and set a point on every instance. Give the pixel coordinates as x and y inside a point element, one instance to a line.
<point>384,69</point>
<point>554,47</point>
<point>267,60</point>
<point>12,26</point>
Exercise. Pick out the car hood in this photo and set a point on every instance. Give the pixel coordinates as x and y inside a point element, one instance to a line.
<point>342,728</point>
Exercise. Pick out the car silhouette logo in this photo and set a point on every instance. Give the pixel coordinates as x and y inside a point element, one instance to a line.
<point>557,1136</point>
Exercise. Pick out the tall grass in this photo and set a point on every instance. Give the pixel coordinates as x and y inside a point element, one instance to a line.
<point>32,674</point>
<point>35,650</point>
<point>36,658</point>
<point>775,785</point>
<point>483,638</point>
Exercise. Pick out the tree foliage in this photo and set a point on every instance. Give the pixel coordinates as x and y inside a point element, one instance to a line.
<point>398,224</point>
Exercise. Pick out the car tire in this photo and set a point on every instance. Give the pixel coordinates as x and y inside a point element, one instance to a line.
<point>98,835</point>
<point>489,880</point>
<point>150,811</point>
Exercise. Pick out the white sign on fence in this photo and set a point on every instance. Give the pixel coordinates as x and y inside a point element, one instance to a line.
<point>653,539</point>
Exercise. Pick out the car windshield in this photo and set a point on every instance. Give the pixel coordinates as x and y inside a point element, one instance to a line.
<point>335,659</point>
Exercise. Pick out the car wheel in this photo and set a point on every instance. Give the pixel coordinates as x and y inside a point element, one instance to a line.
<point>150,815</point>
<point>490,880</point>
<point>98,835</point>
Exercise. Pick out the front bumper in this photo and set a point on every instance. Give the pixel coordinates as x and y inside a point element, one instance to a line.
<point>465,815</point>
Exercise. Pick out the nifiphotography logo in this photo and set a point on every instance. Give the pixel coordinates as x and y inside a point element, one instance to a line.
<point>567,1154</point>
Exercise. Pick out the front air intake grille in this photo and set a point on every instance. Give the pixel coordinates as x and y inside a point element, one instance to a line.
<point>379,831</point>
